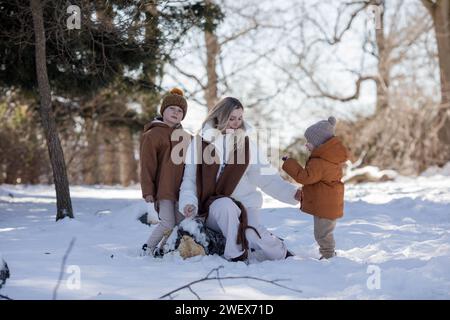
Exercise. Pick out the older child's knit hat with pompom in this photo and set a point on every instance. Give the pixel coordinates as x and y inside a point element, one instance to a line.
<point>321,132</point>
<point>174,98</point>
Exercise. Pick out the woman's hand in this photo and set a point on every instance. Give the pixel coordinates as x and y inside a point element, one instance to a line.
<point>149,199</point>
<point>299,195</point>
<point>189,210</point>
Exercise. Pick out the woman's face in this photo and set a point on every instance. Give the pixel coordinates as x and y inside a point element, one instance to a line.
<point>235,119</point>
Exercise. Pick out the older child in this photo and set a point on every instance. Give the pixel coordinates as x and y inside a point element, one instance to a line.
<point>161,167</point>
<point>323,191</point>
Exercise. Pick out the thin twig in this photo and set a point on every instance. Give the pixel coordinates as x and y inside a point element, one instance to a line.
<point>220,282</point>
<point>194,293</point>
<point>63,264</point>
<point>217,272</point>
<point>5,297</point>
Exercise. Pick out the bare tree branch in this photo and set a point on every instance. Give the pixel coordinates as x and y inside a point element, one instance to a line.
<point>324,94</point>
<point>5,297</point>
<point>430,5</point>
<point>337,35</point>
<point>188,75</point>
<point>217,277</point>
<point>239,34</point>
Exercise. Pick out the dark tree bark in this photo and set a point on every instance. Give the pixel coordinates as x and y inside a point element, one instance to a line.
<point>212,51</point>
<point>383,62</point>
<point>440,13</point>
<point>127,162</point>
<point>63,201</point>
<point>90,159</point>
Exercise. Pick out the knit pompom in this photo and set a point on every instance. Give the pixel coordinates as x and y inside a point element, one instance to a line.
<point>332,120</point>
<point>177,91</point>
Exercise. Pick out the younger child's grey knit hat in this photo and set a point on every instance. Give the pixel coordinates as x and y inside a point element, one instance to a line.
<point>320,132</point>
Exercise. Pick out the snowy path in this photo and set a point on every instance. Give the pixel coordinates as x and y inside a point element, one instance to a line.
<point>401,229</point>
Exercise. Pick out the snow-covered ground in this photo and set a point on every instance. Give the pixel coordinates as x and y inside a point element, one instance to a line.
<point>393,243</point>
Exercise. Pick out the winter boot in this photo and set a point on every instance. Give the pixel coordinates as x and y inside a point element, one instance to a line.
<point>289,254</point>
<point>328,256</point>
<point>158,252</point>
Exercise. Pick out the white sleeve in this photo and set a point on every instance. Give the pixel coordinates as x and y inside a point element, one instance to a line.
<point>188,189</point>
<point>262,174</point>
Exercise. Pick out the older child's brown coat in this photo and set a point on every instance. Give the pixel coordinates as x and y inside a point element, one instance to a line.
<point>160,176</point>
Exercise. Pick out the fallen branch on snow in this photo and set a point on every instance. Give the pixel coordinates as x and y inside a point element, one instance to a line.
<point>218,278</point>
<point>63,265</point>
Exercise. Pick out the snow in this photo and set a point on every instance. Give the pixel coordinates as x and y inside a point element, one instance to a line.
<point>370,172</point>
<point>152,215</point>
<point>171,240</point>
<point>190,226</point>
<point>393,243</point>
<point>444,171</point>
<point>193,228</point>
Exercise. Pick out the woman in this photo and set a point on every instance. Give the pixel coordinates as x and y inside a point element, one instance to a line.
<point>222,173</point>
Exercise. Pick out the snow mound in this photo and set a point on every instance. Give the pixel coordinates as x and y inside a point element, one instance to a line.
<point>369,174</point>
<point>191,226</point>
<point>171,240</point>
<point>130,214</point>
<point>194,228</point>
<point>435,170</point>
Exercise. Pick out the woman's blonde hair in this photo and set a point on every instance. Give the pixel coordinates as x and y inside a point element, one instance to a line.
<point>221,112</point>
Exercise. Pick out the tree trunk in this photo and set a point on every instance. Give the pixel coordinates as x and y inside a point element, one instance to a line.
<point>90,159</point>
<point>440,13</point>
<point>152,34</point>
<point>127,162</point>
<point>34,163</point>
<point>382,102</point>
<point>109,166</point>
<point>212,51</point>
<point>11,172</point>
<point>63,201</point>
<point>104,14</point>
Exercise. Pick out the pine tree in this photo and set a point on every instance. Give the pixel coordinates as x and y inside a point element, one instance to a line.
<point>120,45</point>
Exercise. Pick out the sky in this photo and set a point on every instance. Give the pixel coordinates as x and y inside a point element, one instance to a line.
<point>291,112</point>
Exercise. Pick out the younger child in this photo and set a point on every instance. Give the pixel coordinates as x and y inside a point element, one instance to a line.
<point>161,172</point>
<point>323,191</point>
